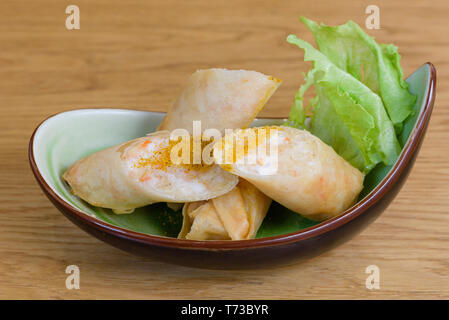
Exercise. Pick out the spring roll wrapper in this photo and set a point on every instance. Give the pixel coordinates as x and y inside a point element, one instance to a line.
<point>220,99</point>
<point>237,215</point>
<point>114,178</point>
<point>311,178</point>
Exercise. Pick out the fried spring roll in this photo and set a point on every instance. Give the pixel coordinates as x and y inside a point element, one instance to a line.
<point>140,172</point>
<point>304,174</point>
<point>111,178</point>
<point>220,99</point>
<point>223,99</point>
<point>237,215</point>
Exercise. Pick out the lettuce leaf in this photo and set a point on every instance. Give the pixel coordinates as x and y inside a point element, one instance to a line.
<point>377,66</point>
<point>347,114</point>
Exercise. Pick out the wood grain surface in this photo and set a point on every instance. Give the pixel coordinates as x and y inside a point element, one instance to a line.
<point>136,54</point>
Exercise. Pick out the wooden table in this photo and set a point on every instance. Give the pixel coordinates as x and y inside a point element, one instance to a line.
<point>136,54</point>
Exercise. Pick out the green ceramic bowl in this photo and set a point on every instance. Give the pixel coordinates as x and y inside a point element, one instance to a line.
<point>67,137</point>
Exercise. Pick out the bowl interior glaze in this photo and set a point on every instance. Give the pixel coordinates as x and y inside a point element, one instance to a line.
<point>69,136</point>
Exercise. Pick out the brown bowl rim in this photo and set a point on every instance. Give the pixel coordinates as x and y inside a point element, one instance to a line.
<point>372,198</point>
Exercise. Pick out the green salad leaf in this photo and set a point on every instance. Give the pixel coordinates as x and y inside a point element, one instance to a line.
<point>353,78</point>
<point>377,66</point>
